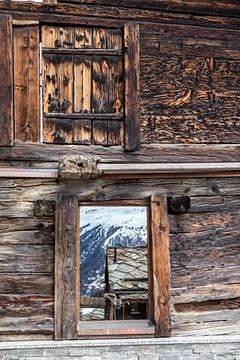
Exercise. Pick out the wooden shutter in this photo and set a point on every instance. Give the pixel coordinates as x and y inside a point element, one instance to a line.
<point>26,83</point>
<point>160,265</point>
<point>132,73</point>
<point>67,264</point>
<point>6,135</point>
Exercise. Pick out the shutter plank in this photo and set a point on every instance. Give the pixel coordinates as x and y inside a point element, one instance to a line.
<point>67,268</point>
<point>56,37</point>
<point>115,132</point>
<point>26,83</point>
<point>83,38</point>
<point>57,83</point>
<point>82,130</point>
<point>82,85</point>
<point>160,265</point>
<point>58,131</point>
<point>100,130</point>
<point>132,71</point>
<point>6,129</point>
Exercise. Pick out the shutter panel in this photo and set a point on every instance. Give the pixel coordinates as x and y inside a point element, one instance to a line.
<point>160,265</point>
<point>132,71</point>
<point>26,83</point>
<point>6,135</point>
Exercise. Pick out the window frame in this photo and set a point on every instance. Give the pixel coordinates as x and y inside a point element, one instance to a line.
<point>67,272</point>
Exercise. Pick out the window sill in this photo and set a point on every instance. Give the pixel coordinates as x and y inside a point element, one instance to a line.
<point>116,327</point>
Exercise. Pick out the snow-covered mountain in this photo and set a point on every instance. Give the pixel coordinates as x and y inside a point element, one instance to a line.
<point>101,227</point>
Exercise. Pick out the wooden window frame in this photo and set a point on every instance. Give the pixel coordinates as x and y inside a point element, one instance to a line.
<point>67,271</point>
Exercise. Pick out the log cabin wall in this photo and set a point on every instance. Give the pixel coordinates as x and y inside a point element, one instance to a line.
<point>189,94</point>
<point>204,251</point>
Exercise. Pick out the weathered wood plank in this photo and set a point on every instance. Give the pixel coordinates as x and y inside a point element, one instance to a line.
<point>37,11</point>
<point>56,37</point>
<point>209,292</point>
<point>9,225</point>
<point>26,258</point>
<point>82,84</point>
<point>26,83</point>
<point>100,132</point>
<point>147,153</point>
<point>44,208</point>
<point>161,265</point>
<point>26,305</point>
<point>82,132</point>
<point>67,268</point>
<point>27,284</point>
<point>224,8</point>
<point>83,38</point>
<point>57,83</point>
<point>26,325</point>
<point>115,132</point>
<point>132,73</point>
<point>58,131</point>
<point>6,110</point>
<point>19,209</point>
<point>34,237</point>
<point>205,323</point>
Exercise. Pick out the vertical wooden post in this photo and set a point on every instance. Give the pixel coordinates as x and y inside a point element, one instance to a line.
<point>161,265</point>
<point>6,110</point>
<point>26,83</point>
<point>67,268</point>
<point>132,73</point>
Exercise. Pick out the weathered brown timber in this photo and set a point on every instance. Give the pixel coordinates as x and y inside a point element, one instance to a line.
<point>231,8</point>
<point>132,69</point>
<point>161,265</point>
<point>26,83</point>
<point>27,284</point>
<point>188,81</point>
<point>6,127</point>
<point>26,305</point>
<point>37,11</point>
<point>147,153</point>
<point>67,264</point>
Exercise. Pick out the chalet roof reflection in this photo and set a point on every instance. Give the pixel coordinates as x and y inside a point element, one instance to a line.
<point>127,271</point>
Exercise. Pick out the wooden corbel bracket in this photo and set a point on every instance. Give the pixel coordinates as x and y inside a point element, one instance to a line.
<point>77,167</point>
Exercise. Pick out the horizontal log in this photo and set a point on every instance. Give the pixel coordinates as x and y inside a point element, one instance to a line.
<point>20,209</point>
<point>147,153</point>
<point>26,337</point>
<point>9,225</point>
<point>34,237</point>
<point>27,284</point>
<point>205,293</point>
<point>26,258</point>
<point>115,189</point>
<point>163,13</point>
<point>209,305</point>
<point>214,203</point>
<point>26,325</point>
<point>26,305</point>
<point>92,302</point>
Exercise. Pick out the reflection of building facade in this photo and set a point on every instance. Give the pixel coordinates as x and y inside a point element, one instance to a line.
<point>126,280</point>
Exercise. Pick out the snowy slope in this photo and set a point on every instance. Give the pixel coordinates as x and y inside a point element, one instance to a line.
<point>101,227</point>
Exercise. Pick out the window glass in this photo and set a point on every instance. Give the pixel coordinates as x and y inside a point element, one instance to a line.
<point>113,263</point>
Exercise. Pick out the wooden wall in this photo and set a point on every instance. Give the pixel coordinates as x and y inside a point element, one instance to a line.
<point>205,248</point>
<point>190,79</point>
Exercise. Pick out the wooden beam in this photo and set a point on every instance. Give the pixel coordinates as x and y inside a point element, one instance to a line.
<point>67,268</point>
<point>146,154</point>
<point>160,265</point>
<point>132,87</point>
<point>6,110</point>
<point>131,170</point>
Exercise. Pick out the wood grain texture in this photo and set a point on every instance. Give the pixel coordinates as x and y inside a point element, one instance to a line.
<point>67,272</point>
<point>111,17</point>
<point>224,8</point>
<point>132,73</point>
<point>6,126</point>
<point>161,265</point>
<point>189,91</point>
<point>27,284</point>
<point>147,153</point>
<point>56,37</point>
<point>57,83</point>
<point>26,83</point>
